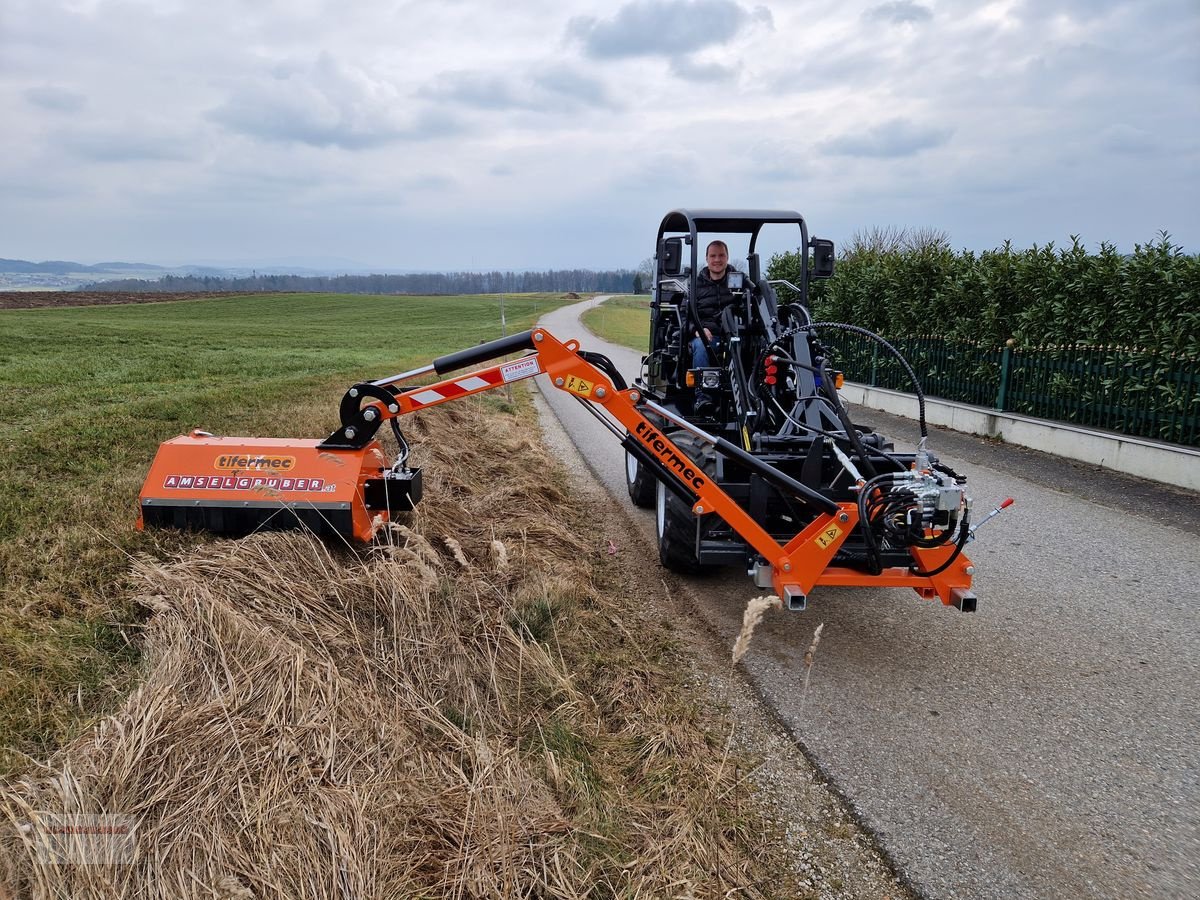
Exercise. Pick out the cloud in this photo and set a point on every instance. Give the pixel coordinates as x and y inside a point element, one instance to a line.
<point>132,142</point>
<point>690,70</point>
<point>328,104</point>
<point>483,90</point>
<point>900,12</point>
<point>1127,139</point>
<point>556,89</point>
<point>674,172</point>
<point>847,67</point>
<point>894,138</point>
<point>55,99</point>
<point>966,105</point>
<point>563,82</point>
<point>670,28</point>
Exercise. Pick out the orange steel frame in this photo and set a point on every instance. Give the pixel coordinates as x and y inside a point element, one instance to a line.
<point>799,565</point>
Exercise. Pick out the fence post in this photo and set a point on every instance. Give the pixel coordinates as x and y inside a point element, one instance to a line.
<point>874,361</point>
<point>1005,369</point>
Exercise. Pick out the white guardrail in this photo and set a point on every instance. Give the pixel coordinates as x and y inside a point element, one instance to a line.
<point>1157,461</point>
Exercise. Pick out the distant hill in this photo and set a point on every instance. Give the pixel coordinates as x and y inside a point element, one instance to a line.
<point>65,274</point>
<point>53,266</point>
<point>66,267</point>
<point>125,267</point>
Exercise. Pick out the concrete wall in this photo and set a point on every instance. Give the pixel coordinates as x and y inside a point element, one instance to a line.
<point>1168,463</point>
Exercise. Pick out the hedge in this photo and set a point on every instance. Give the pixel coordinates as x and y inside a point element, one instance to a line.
<point>1040,296</point>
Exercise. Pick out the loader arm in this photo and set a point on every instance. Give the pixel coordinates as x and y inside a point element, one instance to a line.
<point>795,568</point>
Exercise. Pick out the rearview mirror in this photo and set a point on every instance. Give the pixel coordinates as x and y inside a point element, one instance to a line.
<point>822,257</point>
<point>672,255</point>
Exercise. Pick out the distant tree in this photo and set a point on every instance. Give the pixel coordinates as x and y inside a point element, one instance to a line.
<point>613,280</point>
<point>638,286</point>
<point>884,239</point>
<point>926,237</point>
<point>877,239</point>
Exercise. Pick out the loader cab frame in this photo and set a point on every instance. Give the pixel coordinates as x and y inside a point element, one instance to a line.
<point>682,235</point>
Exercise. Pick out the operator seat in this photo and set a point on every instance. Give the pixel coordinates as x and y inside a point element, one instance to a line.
<point>754,277</point>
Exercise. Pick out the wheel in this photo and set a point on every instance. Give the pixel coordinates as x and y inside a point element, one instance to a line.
<point>675,523</point>
<point>639,482</point>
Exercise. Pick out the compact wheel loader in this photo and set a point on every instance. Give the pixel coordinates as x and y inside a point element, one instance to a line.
<point>778,480</point>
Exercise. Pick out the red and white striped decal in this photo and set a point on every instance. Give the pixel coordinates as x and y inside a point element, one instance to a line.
<point>448,390</point>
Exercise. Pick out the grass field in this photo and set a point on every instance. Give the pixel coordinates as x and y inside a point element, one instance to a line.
<point>622,320</point>
<point>86,396</point>
<point>489,703</point>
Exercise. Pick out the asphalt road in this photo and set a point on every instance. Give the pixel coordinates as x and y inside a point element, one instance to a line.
<point>1044,746</point>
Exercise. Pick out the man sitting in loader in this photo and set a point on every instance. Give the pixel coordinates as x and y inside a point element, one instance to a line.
<point>712,296</point>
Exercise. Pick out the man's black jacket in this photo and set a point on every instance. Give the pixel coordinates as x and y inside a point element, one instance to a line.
<point>712,297</point>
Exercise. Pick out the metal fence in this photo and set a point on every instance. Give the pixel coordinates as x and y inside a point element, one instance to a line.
<point>1142,393</point>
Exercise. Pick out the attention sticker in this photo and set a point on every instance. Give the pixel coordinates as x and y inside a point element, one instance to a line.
<point>522,368</point>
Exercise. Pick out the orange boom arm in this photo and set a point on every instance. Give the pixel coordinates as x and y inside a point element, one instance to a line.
<point>343,486</point>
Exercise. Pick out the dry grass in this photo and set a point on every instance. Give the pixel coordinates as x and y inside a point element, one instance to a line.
<point>756,608</point>
<point>460,712</point>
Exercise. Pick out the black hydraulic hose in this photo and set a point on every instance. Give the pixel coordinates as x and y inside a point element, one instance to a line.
<point>874,562</point>
<point>694,309</point>
<point>847,425</point>
<point>404,452</point>
<point>879,454</point>
<point>803,309</point>
<point>605,365</point>
<point>855,329</point>
<point>964,534</point>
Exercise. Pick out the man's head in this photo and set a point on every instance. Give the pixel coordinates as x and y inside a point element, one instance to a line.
<point>717,258</point>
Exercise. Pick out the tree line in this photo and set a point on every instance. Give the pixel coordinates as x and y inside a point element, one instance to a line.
<point>551,280</point>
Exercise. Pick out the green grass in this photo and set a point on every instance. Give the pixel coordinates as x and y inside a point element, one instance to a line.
<point>622,320</point>
<point>86,396</point>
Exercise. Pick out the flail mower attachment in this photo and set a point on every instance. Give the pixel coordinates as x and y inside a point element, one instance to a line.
<point>235,486</point>
<point>343,486</point>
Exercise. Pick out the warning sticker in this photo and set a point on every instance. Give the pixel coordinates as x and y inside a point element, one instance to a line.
<point>522,368</point>
<point>827,536</point>
<point>578,386</point>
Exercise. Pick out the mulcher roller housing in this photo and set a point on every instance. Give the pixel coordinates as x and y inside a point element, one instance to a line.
<point>235,486</point>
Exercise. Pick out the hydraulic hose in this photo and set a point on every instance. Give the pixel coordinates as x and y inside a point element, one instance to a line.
<point>964,534</point>
<point>878,454</point>
<point>847,425</point>
<point>855,329</point>
<point>874,562</point>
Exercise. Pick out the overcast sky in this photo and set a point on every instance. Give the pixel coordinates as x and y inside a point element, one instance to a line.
<point>470,134</point>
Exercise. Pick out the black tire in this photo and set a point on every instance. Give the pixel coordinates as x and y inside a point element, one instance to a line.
<point>675,523</point>
<point>639,482</point>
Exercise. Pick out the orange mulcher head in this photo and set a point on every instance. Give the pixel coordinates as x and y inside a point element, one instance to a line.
<point>235,486</point>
